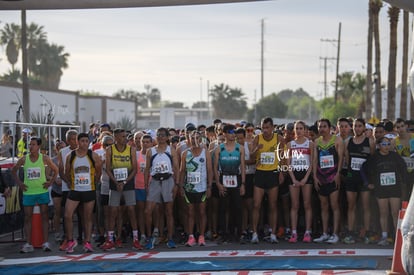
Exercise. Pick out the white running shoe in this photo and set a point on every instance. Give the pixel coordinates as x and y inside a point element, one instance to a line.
<point>323,238</point>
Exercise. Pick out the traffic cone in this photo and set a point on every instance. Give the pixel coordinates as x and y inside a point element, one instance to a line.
<point>37,229</point>
<point>397,267</point>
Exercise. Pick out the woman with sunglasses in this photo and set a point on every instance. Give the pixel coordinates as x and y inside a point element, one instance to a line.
<point>387,172</point>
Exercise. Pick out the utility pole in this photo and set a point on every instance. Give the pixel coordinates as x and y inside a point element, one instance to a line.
<point>325,74</point>
<point>262,62</point>
<point>338,45</point>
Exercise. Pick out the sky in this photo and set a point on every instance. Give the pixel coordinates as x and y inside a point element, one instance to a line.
<point>184,50</point>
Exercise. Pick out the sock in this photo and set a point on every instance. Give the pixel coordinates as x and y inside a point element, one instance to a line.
<point>135,234</point>
<point>294,231</point>
<point>384,235</point>
<point>111,235</point>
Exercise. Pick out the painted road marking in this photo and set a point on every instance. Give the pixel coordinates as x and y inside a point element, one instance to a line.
<point>177,254</point>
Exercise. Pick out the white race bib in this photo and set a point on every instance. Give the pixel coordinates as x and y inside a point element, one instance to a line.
<point>387,179</point>
<point>267,158</point>
<point>301,163</point>
<point>33,173</point>
<point>326,161</point>
<point>194,178</point>
<point>82,181</point>
<point>230,181</point>
<point>120,174</point>
<point>409,162</point>
<point>161,167</point>
<point>356,163</point>
<point>142,167</point>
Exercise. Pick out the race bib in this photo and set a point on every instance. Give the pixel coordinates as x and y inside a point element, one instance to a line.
<point>33,173</point>
<point>161,167</point>
<point>409,162</point>
<point>326,161</point>
<point>120,174</point>
<point>142,167</point>
<point>356,163</point>
<point>387,179</point>
<point>301,163</point>
<point>267,158</point>
<point>82,181</point>
<point>230,181</point>
<point>194,178</point>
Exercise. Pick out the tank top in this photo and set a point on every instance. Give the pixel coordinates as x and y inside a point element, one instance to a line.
<point>104,176</point>
<point>266,157</point>
<point>121,163</point>
<point>196,172</point>
<point>83,174</point>
<point>407,153</point>
<point>161,162</point>
<point>300,155</point>
<point>250,168</point>
<point>327,156</point>
<point>64,153</point>
<point>139,177</point>
<point>229,162</point>
<point>358,154</point>
<point>34,176</point>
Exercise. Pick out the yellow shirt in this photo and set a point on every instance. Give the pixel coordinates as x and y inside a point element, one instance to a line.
<point>267,158</point>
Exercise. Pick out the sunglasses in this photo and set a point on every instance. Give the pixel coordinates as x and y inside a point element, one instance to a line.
<point>249,130</point>
<point>231,131</point>
<point>385,143</point>
<point>161,135</point>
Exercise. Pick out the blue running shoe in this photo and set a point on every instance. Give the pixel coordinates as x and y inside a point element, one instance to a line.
<point>150,244</point>
<point>171,244</point>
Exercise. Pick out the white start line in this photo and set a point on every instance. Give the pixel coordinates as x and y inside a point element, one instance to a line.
<point>200,254</point>
<point>255,272</point>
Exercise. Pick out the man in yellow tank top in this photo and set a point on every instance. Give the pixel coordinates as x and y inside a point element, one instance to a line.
<point>267,147</point>
<point>35,190</point>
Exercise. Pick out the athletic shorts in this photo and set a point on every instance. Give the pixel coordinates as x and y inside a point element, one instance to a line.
<point>299,175</point>
<point>140,195</point>
<point>55,195</point>
<point>355,184</point>
<point>195,197</point>
<point>161,191</point>
<point>326,189</point>
<point>84,196</point>
<point>266,179</point>
<point>32,200</point>
<point>104,200</point>
<point>116,196</point>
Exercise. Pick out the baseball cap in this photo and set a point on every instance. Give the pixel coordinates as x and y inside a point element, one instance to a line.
<point>26,130</point>
<point>190,127</point>
<point>289,126</point>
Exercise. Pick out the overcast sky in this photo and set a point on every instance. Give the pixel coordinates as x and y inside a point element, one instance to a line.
<point>179,49</point>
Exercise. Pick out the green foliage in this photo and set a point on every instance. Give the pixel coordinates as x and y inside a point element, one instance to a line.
<point>175,104</point>
<point>125,123</point>
<point>270,105</point>
<point>89,93</point>
<point>12,76</point>
<point>333,112</point>
<point>228,102</point>
<point>200,104</point>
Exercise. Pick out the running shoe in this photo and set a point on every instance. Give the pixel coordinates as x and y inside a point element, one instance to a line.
<point>273,238</point>
<point>150,244</point>
<point>191,241</point>
<point>108,245</point>
<point>244,238</point>
<point>87,247</point>
<point>171,244</point>
<point>324,237</point>
<point>307,238</point>
<point>71,246</point>
<point>384,242</point>
<point>64,245</point>
<point>280,232</point>
<point>333,239</point>
<point>255,238</point>
<point>293,238</point>
<point>348,240</point>
<point>118,243</point>
<point>46,247</point>
<point>201,241</point>
<point>156,236</point>
<point>26,248</point>
<point>58,237</point>
<point>143,240</point>
<point>136,245</point>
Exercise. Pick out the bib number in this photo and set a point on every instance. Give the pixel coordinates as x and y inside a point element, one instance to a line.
<point>387,179</point>
<point>120,174</point>
<point>326,161</point>
<point>161,167</point>
<point>267,158</point>
<point>82,181</point>
<point>230,181</point>
<point>33,173</point>
<point>194,178</point>
<point>142,167</point>
<point>409,162</point>
<point>356,163</point>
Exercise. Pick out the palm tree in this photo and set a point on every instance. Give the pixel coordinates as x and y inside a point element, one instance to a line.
<point>368,94</point>
<point>51,63</point>
<point>375,6</point>
<point>228,102</point>
<point>10,36</point>
<point>36,42</point>
<point>404,73</point>
<point>393,13</point>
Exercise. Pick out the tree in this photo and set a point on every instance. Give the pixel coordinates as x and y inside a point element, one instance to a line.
<point>404,73</point>
<point>333,111</point>
<point>375,6</point>
<point>125,123</point>
<point>140,98</point>
<point>10,36</point>
<point>175,104</point>
<point>393,13</point>
<point>153,95</point>
<point>36,44</point>
<point>368,93</point>
<point>270,105</point>
<point>200,104</point>
<point>228,102</point>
